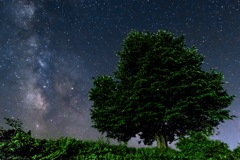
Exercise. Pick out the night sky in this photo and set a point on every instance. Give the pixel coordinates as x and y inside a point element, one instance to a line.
<point>51,49</point>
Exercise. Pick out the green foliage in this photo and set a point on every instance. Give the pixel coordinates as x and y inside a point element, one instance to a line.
<point>236,152</point>
<point>14,123</point>
<point>158,89</point>
<point>63,148</point>
<point>15,126</point>
<point>14,142</point>
<point>21,146</point>
<point>199,146</point>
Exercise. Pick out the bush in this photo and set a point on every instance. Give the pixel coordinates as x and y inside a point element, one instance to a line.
<point>199,146</point>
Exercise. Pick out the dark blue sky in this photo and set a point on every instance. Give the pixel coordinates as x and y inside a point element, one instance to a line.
<point>51,49</point>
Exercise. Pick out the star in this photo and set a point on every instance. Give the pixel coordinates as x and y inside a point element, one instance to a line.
<point>50,50</point>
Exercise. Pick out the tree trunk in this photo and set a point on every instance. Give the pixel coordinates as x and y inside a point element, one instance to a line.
<point>161,142</point>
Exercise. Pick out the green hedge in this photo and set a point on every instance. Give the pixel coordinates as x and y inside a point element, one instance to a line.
<point>17,145</point>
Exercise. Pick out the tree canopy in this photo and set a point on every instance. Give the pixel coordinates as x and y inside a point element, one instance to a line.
<point>159,91</point>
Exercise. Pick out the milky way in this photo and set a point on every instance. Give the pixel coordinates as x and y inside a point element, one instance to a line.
<point>44,87</point>
<point>51,49</point>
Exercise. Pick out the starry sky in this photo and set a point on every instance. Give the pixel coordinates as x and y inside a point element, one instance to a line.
<point>51,49</point>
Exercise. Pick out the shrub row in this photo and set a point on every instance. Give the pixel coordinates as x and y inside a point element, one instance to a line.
<point>20,145</point>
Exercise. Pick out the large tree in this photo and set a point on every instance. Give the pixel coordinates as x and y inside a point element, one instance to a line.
<point>159,91</point>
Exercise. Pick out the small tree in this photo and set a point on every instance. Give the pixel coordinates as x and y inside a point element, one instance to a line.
<point>158,91</point>
<point>14,142</point>
<point>15,126</point>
